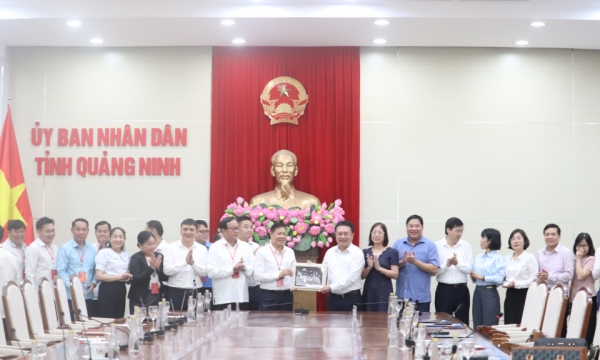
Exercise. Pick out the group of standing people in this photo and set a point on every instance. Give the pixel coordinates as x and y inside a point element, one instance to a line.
<point>412,262</point>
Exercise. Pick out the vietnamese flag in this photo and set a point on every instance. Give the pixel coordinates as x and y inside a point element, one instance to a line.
<point>14,203</point>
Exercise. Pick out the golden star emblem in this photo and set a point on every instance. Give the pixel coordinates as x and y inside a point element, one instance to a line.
<point>8,200</point>
<point>283,91</point>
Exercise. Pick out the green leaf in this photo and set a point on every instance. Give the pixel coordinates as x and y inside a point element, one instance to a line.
<point>230,212</point>
<point>304,244</point>
<point>295,208</point>
<point>307,222</point>
<point>331,206</point>
<point>276,207</point>
<point>294,220</point>
<point>262,218</point>
<point>263,205</point>
<point>270,224</point>
<point>287,231</point>
<point>256,238</point>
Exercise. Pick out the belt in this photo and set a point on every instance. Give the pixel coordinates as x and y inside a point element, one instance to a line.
<point>277,291</point>
<point>252,286</point>
<point>459,285</point>
<point>487,286</point>
<point>341,296</point>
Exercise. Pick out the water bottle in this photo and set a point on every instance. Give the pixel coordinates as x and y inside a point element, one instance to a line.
<point>134,340</point>
<point>34,349</point>
<point>113,343</point>
<point>160,321</point>
<point>392,332</point>
<point>191,311</point>
<point>391,305</point>
<point>70,344</point>
<point>434,351</point>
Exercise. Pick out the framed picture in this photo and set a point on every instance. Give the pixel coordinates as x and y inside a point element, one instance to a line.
<point>309,277</point>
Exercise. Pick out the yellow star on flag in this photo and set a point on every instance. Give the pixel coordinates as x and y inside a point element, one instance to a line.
<point>8,200</point>
<point>283,91</point>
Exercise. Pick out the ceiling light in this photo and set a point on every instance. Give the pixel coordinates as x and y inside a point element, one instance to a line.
<point>380,41</point>
<point>74,23</point>
<point>96,41</point>
<point>227,22</point>
<point>537,24</point>
<point>381,22</point>
<point>238,41</point>
<point>522,42</point>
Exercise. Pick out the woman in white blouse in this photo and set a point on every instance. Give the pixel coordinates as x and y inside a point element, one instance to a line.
<point>521,270</point>
<point>112,271</point>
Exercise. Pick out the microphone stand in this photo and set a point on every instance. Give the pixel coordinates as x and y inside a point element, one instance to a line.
<point>497,317</point>
<point>19,343</point>
<point>62,315</point>
<point>85,332</point>
<point>121,346</point>
<point>300,311</point>
<point>172,325</point>
<point>182,318</point>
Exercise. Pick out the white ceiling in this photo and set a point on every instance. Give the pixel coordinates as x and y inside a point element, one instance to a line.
<point>477,23</point>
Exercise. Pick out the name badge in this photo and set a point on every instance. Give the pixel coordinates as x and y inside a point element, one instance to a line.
<point>280,282</point>
<point>235,275</point>
<point>154,289</point>
<point>82,275</point>
<point>203,279</point>
<point>53,273</point>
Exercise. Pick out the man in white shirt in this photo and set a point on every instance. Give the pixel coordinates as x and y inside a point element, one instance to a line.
<point>202,236</point>
<point>273,269</point>
<point>8,271</point>
<point>185,263</point>
<point>156,228</point>
<point>15,244</point>
<point>230,263</point>
<point>102,232</point>
<point>345,263</point>
<point>456,259</point>
<point>245,234</point>
<point>40,258</point>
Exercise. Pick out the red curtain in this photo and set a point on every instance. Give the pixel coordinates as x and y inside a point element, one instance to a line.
<point>326,139</point>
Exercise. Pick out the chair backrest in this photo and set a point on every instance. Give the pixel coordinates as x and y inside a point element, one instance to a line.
<point>555,312</point>
<point>527,309</point>
<point>78,298</point>
<point>596,341</point>
<point>32,308</point>
<point>580,314</point>
<point>536,307</point>
<point>14,310</point>
<point>48,304</point>
<point>62,302</point>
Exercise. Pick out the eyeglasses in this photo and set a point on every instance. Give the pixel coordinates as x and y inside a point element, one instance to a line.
<point>233,228</point>
<point>204,232</point>
<point>582,246</point>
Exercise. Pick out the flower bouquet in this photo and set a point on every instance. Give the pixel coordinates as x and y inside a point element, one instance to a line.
<point>305,228</point>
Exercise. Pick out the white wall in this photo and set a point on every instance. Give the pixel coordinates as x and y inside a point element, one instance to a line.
<point>502,138</point>
<point>112,87</point>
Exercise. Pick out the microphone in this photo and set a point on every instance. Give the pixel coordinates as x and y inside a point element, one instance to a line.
<point>121,346</point>
<point>18,343</point>
<point>194,290</point>
<point>85,332</point>
<point>62,315</point>
<point>172,325</point>
<point>142,302</point>
<point>372,303</point>
<point>300,311</point>
<point>497,317</point>
<point>457,308</point>
<point>181,317</point>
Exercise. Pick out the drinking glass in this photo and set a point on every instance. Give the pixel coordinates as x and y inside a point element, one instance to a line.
<point>404,330</point>
<point>143,313</point>
<point>42,350</point>
<point>446,350</point>
<point>153,313</point>
<point>468,347</point>
<point>207,300</point>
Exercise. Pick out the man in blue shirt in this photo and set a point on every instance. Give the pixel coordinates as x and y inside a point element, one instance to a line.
<point>419,261</point>
<point>77,258</point>
<point>202,235</point>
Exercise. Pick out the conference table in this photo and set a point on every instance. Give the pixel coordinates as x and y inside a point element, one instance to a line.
<point>261,335</point>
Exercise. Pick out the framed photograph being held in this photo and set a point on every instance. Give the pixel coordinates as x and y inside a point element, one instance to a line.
<point>309,277</point>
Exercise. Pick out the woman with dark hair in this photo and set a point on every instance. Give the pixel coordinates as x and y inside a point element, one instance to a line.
<point>584,251</point>
<point>381,266</point>
<point>111,270</point>
<point>146,267</point>
<point>487,274</point>
<point>521,271</point>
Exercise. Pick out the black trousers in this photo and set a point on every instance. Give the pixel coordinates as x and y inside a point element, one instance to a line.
<point>254,293</point>
<point>514,303</point>
<point>449,296</point>
<point>273,300</point>
<point>90,306</point>
<point>343,302</point>
<point>179,297</point>
<point>243,306</point>
<point>111,299</point>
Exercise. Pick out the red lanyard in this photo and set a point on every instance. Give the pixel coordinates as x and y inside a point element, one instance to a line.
<point>51,253</point>
<point>234,251</point>
<point>81,256</point>
<point>280,262</point>
<point>21,252</point>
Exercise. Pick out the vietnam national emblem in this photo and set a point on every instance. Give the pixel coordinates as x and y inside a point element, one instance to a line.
<point>283,100</point>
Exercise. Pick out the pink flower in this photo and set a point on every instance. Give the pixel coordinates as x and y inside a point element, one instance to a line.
<point>271,214</point>
<point>240,200</point>
<point>325,233</point>
<point>329,228</point>
<point>266,222</point>
<point>313,244</point>
<point>315,230</point>
<point>261,231</point>
<point>338,202</point>
<point>256,224</point>
<point>288,238</point>
<point>327,244</point>
<point>255,213</point>
<point>320,244</point>
<point>291,244</point>
<point>293,213</point>
<point>301,228</point>
<point>297,239</point>
<point>239,211</point>
<point>291,227</point>
<point>282,212</point>
<point>286,221</point>
<point>232,206</point>
<point>329,239</point>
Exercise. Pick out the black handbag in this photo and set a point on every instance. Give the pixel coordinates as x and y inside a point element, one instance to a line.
<point>550,353</point>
